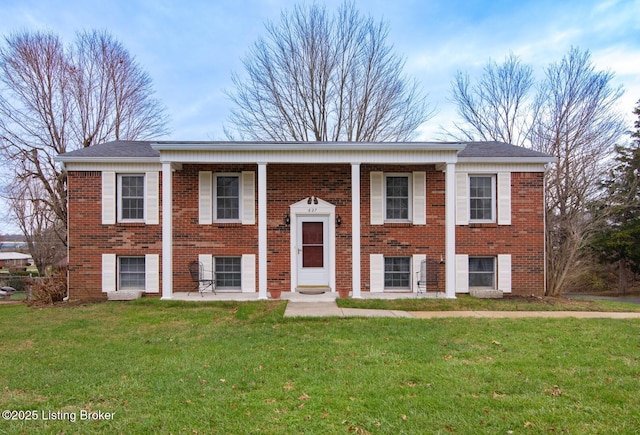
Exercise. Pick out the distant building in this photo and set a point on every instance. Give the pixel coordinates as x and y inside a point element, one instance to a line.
<point>15,259</point>
<point>12,245</point>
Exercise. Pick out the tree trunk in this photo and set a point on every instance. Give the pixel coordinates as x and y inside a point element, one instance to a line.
<point>622,276</point>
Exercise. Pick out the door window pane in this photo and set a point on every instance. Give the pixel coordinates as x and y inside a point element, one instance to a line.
<point>312,244</point>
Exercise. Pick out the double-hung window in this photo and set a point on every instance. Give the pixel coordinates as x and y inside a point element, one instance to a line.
<point>228,272</point>
<point>131,273</point>
<point>482,198</point>
<point>397,197</point>
<point>482,272</point>
<point>227,197</point>
<point>397,273</point>
<point>130,197</point>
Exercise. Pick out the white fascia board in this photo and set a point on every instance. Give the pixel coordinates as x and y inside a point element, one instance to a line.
<point>491,167</point>
<point>114,165</point>
<point>307,146</point>
<point>534,160</point>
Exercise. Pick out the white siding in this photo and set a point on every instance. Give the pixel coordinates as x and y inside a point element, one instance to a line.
<point>419,198</point>
<point>462,198</point>
<point>504,273</point>
<point>152,273</point>
<point>377,198</point>
<point>151,208</point>
<point>108,273</point>
<point>504,198</point>
<point>247,196</point>
<point>205,197</point>
<point>108,198</point>
<point>376,273</point>
<point>462,273</point>
<point>248,273</point>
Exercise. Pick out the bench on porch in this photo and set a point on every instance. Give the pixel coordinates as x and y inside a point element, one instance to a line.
<point>201,283</point>
<point>427,276</point>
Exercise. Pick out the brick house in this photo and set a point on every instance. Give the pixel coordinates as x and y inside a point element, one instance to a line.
<point>259,216</point>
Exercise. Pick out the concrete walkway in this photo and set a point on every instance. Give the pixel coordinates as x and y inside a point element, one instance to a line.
<point>331,309</point>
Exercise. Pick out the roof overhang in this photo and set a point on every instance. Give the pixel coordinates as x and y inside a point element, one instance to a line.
<point>308,152</point>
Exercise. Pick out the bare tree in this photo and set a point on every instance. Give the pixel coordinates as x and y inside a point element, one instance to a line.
<point>54,100</point>
<point>496,107</point>
<point>573,117</point>
<point>579,124</point>
<point>43,232</point>
<point>322,77</point>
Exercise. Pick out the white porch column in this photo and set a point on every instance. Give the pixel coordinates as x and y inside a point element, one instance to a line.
<point>262,230</point>
<point>355,229</point>
<point>167,231</point>
<point>450,231</point>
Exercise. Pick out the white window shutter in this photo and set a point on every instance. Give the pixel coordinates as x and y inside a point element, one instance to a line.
<point>152,181</point>
<point>462,198</point>
<point>205,197</point>
<point>377,198</point>
<point>462,273</point>
<point>108,273</point>
<point>207,266</point>
<point>248,183</point>
<point>108,198</point>
<point>504,198</point>
<point>376,273</point>
<point>419,198</point>
<point>152,273</point>
<point>416,261</point>
<point>504,273</point>
<point>248,279</point>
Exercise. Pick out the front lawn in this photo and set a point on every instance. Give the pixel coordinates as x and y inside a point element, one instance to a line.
<point>239,367</point>
<point>508,303</point>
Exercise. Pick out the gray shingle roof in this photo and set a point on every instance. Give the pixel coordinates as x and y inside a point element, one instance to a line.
<point>116,149</point>
<point>498,149</point>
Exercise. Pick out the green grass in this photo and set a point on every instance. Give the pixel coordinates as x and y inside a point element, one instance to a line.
<point>239,367</point>
<point>469,303</point>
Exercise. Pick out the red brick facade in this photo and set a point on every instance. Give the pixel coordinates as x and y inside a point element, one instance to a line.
<point>287,184</point>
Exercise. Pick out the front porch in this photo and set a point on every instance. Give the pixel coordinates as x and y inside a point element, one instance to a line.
<point>297,297</point>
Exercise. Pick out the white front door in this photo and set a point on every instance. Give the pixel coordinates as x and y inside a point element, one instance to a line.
<point>313,251</point>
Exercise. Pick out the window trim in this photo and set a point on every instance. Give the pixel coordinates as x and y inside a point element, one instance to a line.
<point>119,198</point>
<point>493,198</point>
<point>409,177</point>
<point>119,258</point>
<point>494,272</point>
<point>384,274</point>
<point>214,194</point>
<point>219,286</point>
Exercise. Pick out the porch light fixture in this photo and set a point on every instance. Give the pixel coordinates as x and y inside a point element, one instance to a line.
<point>287,219</point>
<point>338,221</point>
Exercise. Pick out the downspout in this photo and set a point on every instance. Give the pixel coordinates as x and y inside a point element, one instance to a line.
<point>544,224</point>
<point>64,169</point>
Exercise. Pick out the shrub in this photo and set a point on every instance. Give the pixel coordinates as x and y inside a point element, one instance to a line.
<point>49,290</point>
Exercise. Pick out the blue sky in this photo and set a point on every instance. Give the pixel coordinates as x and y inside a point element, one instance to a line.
<point>191,48</point>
